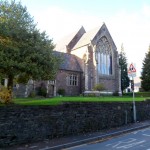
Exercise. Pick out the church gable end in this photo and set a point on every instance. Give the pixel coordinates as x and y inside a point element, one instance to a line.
<point>106,58</point>
<point>67,43</point>
<point>98,59</point>
<point>75,39</point>
<point>103,32</point>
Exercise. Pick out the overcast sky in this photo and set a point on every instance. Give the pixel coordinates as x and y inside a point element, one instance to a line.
<point>128,21</point>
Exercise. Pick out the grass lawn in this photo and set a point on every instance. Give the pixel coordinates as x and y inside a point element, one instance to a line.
<point>59,100</point>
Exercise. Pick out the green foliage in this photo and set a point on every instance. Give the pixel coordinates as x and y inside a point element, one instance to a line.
<point>124,73</point>
<point>91,95</point>
<point>42,91</point>
<point>60,100</point>
<point>99,87</point>
<point>32,94</point>
<point>61,92</point>
<point>24,50</point>
<point>145,76</point>
<point>22,78</point>
<point>5,95</point>
<point>138,94</point>
<point>116,93</point>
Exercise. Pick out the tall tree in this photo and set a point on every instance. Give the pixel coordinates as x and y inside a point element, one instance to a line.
<point>145,76</point>
<point>123,66</point>
<point>25,52</point>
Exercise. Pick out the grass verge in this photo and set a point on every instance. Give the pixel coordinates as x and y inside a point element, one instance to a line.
<point>59,100</point>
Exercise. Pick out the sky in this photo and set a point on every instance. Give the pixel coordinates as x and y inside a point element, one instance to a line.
<point>128,21</point>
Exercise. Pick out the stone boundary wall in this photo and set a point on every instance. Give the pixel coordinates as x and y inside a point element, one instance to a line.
<point>23,124</point>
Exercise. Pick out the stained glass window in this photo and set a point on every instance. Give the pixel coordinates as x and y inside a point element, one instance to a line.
<point>104,57</point>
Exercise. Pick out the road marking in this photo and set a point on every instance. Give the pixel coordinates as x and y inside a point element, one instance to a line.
<point>74,147</point>
<point>108,144</point>
<point>147,129</point>
<point>131,145</point>
<point>33,146</point>
<point>146,134</point>
<point>125,144</point>
<point>46,148</point>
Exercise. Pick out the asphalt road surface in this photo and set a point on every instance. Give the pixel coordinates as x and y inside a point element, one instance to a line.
<point>137,140</point>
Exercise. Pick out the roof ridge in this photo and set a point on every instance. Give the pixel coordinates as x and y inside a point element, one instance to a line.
<point>87,37</point>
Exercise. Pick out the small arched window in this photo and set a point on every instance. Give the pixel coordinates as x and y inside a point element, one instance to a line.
<point>104,57</point>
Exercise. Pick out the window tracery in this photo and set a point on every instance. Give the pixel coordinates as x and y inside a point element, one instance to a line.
<point>104,55</point>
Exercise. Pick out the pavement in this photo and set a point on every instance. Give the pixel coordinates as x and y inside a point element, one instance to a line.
<point>69,141</point>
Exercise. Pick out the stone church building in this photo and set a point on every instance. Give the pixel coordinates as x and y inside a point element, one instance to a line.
<point>89,58</point>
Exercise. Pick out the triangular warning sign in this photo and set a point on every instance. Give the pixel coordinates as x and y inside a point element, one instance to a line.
<point>131,69</point>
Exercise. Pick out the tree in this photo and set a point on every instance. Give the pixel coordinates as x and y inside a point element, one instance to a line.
<point>123,66</point>
<point>25,52</point>
<point>145,76</point>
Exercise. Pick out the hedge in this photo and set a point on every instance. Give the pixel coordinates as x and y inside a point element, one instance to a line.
<point>138,94</point>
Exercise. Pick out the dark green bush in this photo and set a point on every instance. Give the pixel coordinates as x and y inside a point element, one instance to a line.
<point>61,92</point>
<point>32,94</point>
<point>91,95</point>
<point>42,91</point>
<point>99,87</point>
<point>138,94</point>
<point>116,93</point>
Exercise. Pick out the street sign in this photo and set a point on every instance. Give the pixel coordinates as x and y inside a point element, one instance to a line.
<point>131,70</point>
<point>132,74</point>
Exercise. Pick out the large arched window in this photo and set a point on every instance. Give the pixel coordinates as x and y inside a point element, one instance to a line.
<point>104,54</point>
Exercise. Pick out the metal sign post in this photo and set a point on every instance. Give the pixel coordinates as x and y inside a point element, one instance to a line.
<point>134,107</point>
<point>132,74</point>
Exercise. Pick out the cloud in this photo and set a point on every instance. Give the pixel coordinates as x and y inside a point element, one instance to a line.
<point>129,28</point>
<point>58,22</point>
<point>146,10</point>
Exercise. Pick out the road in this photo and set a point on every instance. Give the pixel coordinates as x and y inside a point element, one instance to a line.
<point>137,140</point>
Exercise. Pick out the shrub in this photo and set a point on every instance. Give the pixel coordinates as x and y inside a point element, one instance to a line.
<point>42,91</point>
<point>116,93</point>
<point>99,87</point>
<point>138,94</point>
<point>32,94</point>
<point>5,95</point>
<point>61,92</point>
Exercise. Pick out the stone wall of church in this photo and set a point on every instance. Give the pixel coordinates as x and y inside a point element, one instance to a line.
<point>111,82</point>
<point>117,73</point>
<point>61,83</point>
<point>34,88</point>
<point>91,69</point>
<point>83,53</point>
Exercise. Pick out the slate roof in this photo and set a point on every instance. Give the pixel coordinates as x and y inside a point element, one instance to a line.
<point>87,38</point>
<point>70,62</point>
<point>61,45</point>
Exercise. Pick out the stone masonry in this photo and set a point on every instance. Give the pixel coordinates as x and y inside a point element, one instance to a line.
<point>23,124</point>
